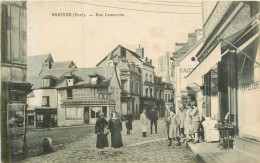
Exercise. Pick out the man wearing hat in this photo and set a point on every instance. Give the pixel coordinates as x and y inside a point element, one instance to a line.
<point>153,118</point>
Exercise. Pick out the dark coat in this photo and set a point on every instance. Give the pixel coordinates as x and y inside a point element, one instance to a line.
<point>129,119</point>
<point>115,127</point>
<point>153,116</point>
<point>102,140</point>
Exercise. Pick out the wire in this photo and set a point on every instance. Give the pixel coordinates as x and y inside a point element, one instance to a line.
<point>158,4</point>
<point>178,2</point>
<point>132,9</point>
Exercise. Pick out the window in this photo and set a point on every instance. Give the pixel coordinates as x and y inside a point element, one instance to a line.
<point>132,87</point>
<point>165,99</point>
<point>151,92</point>
<point>70,82</point>
<point>151,79</point>
<point>73,113</point>
<point>45,101</point>
<point>146,92</point>
<point>123,85</point>
<point>69,93</point>
<point>30,120</point>
<point>137,88</point>
<point>146,77</point>
<point>169,98</point>
<point>102,96</point>
<point>46,82</point>
<point>94,111</point>
<point>94,80</point>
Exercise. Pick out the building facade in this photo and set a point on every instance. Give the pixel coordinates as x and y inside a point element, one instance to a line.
<point>183,64</point>
<point>229,65</point>
<point>136,74</point>
<point>74,96</point>
<point>14,87</point>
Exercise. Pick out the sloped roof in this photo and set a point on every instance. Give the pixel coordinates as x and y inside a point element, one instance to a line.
<point>61,65</point>
<point>189,51</point>
<point>34,65</point>
<point>120,46</point>
<point>82,75</point>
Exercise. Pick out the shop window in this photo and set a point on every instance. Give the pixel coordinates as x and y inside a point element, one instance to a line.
<point>30,120</point>
<point>95,111</point>
<point>45,101</point>
<point>104,110</point>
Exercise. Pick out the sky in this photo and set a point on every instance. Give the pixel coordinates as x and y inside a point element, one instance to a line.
<point>87,40</point>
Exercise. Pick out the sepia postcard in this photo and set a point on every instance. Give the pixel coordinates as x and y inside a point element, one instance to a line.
<point>130,81</point>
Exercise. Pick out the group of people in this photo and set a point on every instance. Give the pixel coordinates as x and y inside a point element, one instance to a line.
<point>114,126</point>
<point>102,129</point>
<point>185,124</point>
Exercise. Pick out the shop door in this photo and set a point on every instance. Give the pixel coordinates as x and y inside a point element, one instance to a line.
<point>86,114</point>
<point>228,84</point>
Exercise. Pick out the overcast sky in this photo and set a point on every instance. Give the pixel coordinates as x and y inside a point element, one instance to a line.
<point>87,40</point>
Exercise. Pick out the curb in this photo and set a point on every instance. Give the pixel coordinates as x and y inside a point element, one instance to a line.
<point>203,158</point>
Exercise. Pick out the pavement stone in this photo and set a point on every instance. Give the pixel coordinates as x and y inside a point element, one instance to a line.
<point>153,148</point>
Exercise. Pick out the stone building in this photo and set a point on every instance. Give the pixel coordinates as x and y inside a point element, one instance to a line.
<point>14,87</point>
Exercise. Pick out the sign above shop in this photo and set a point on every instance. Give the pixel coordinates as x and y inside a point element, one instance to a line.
<point>250,86</point>
<point>185,70</point>
<point>87,102</point>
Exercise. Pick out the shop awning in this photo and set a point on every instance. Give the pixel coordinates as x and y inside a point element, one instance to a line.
<point>203,67</point>
<point>193,86</point>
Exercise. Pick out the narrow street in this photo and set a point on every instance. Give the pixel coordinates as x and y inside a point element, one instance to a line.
<point>153,148</point>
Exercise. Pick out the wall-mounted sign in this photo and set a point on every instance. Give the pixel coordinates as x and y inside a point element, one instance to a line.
<point>87,102</point>
<point>250,86</point>
<point>185,70</point>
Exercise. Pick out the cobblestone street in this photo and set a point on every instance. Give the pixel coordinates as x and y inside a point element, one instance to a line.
<point>136,148</point>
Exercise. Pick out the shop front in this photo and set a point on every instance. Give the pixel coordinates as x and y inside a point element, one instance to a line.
<point>78,112</point>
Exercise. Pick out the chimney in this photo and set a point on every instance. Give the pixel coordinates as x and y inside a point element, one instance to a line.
<point>178,46</point>
<point>46,65</point>
<point>151,62</point>
<point>199,34</point>
<point>140,51</point>
<point>191,39</point>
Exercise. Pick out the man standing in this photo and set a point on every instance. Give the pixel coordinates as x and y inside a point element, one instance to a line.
<point>144,122</point>
<point>182,115</point>
<point>153,118</point>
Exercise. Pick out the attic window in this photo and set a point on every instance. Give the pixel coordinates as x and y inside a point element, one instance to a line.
<point>70,81</point>
<point>46,82</point>
<point>94,80</point>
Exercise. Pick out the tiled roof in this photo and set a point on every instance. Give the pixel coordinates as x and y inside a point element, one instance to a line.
<point>34,65</point>
<point>82,75</point>
<point>61,65</point>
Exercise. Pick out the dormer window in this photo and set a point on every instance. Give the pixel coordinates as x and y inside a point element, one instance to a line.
<point>46,82</point>
<point>94,80</point>
<point>70,81</point>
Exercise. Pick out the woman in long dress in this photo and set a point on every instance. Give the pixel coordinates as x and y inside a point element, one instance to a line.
<point>174,130</point>
<point>196,121</point>
<point>188,123</point>
<point>100,126</point>
<point>115,127</point>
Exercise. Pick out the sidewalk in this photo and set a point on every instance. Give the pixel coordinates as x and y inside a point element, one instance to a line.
<point>210,153</point>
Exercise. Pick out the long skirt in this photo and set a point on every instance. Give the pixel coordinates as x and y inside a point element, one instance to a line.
<point>101,141</point>
<point>174,131</point>
<point>116,139</point>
